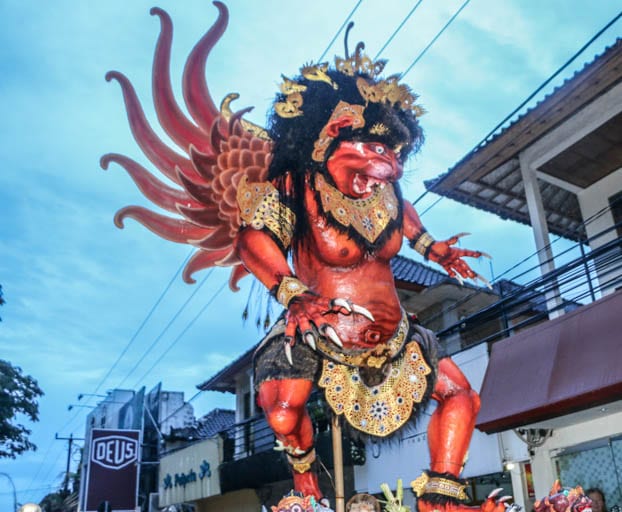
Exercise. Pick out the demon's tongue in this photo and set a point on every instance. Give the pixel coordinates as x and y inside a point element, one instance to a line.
<point>364,185</point>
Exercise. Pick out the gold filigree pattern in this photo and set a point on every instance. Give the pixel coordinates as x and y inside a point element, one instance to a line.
<point>289,86</point>
<point>382,409</point>
<point>318,73</point>
<point>291,106</point>
<point>379,129</point>
<point>260,207</point>
<point>289,288</point>
<point>425,484</point>
<point>391,92</point>
<point>359,63</point>
<point>423,243</point>
<point>369,217</point>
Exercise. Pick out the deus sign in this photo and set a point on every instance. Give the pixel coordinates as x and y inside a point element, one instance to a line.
<point>114,452</point>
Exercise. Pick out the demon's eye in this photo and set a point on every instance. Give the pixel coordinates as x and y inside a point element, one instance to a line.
<point>379,149</point>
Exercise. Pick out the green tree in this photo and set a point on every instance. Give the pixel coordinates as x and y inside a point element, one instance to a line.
<point>18,396</point>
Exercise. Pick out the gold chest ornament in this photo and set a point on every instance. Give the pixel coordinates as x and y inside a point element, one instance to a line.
<point>369,217</point>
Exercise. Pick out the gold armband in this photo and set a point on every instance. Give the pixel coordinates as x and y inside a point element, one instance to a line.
<point>289,288</point>
<point>260,207</point>
<point>422,243</point>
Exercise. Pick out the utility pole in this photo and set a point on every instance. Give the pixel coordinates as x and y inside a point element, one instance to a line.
<point>71,439</point>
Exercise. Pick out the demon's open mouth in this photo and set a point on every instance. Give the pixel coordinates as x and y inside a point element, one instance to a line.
<point>364,185</point>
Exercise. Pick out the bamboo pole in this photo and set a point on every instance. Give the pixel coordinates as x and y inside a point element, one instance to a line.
<point>338,460</point>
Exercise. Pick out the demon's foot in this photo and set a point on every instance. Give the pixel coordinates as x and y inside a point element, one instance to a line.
<point>439,492</point>
<point>307,484</point>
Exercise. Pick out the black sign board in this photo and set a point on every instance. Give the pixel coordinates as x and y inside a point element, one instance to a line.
<point>112,472</point>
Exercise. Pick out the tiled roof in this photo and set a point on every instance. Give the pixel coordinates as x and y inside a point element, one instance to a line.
<point>207,426</point>
<point>413,272</point>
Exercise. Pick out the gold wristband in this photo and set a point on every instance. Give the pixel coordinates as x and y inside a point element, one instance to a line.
<point>423,243</point>
<point>289,288</point>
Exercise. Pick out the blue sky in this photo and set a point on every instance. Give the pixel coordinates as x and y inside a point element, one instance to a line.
<point>77,288</point>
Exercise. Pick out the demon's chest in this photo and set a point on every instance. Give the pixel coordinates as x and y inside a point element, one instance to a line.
<point>345,230</point>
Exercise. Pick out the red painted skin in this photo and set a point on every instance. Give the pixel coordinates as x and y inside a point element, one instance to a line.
<point>334,266</point>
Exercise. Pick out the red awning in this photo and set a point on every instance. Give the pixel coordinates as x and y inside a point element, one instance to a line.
<point>558,367</point>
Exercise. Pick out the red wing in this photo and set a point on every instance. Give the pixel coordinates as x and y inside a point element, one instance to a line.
<point>218,149</point>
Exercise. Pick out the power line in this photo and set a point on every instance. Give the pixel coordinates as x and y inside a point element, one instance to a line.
<point>174,342</point>
<point>406,18</point>
<point>424,51</point>
<point>533,94</point>
<point>554,75</point>
<point>144,322</point>
<point>340,29</point>
<point>166,328</point>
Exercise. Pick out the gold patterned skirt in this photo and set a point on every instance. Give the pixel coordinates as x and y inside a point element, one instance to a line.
<point>376,390</point>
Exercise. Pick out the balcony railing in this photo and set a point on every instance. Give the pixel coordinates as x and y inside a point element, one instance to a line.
<point>582,280</point>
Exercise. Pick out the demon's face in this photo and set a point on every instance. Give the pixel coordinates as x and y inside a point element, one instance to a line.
<point>357,168</point>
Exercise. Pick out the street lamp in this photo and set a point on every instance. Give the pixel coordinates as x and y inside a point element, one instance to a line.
<point>82,395</point>
<point>71,406</point>
<point>12,485</point>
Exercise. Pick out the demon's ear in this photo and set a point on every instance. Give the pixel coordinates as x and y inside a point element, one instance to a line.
<point>334,125</point>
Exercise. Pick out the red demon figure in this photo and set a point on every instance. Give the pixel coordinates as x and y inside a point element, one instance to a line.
<point>319,188</point>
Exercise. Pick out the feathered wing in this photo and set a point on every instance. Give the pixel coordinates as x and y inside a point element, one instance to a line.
<point>219,148</point>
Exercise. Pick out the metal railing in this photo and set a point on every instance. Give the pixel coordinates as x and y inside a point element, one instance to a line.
<point>571,285</point>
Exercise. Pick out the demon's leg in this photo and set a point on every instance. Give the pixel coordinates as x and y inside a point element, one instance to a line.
<point>452,424</point>
<point>284,404</point>
<point>449,436</point>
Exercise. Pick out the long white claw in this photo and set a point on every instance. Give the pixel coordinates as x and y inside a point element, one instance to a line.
<point>310,340</point>
<point>288,354</point>
<point>280,447</point>
<point>483,280</point>
<point>485,255</point>
<point>298,451</point>
<point>495,492</point>
<point>503,499</point>
<point>363,311</point>
<point>459,279</point>
<point>460,235</point>
<point>343,303</point>
<point>332,336</point>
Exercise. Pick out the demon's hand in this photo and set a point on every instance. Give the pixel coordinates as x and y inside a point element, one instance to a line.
<point>306,313</point>
<point>450,258</point>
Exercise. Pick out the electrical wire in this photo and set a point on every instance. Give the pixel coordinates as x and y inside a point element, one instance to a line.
<point>395,32</point>
<point>165,329</point>
<point>332,41</point>
<point>144,322</point>
<point>434,39</point>
<point>174,342</point>
<point>542,86</point>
